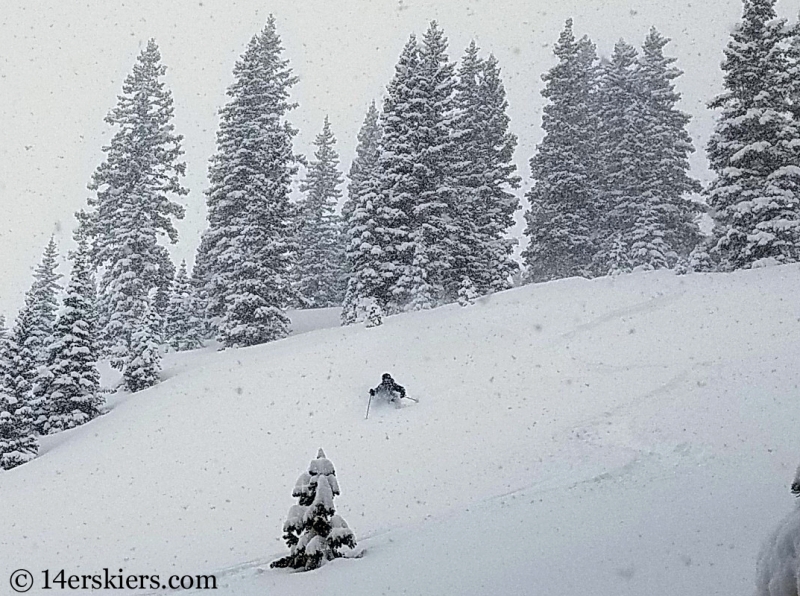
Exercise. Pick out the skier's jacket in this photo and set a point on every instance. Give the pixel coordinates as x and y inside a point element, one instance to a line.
<point>389,387</point>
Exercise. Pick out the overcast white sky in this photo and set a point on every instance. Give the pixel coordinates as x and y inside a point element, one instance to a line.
<point>62,63</point>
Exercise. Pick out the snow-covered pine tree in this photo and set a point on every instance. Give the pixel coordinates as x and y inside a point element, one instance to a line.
<point>164,283</point>
<point>467,293</point>
<point>793,70</point>
<point>427,280</point>
<point>133,204</point>
<point>468,170</point>
<point>313,531</point>
<point>621,151</point>
<point>363,167</point>
<point>41,302</point>
<point>665,227</point>
<point>200,281</point>
<point>17,441</point>
<point>249,244</point>
<point>498,203</point>
<point>754,151</point>
<point>364,255</point>
<point>319,268</point>
<point>182,325</point>
<point>484,172</point>
<point>20,365</point>
<point>390,214</point>
<point>373,313</point>
<point>561,222</point>
<point>143,366</point>
<point>70,383</point>
<point>33,333</point>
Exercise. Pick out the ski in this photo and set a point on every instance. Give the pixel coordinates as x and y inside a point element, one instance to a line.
<point>414,399</point>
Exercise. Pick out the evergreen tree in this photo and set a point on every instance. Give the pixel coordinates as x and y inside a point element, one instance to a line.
<point>69,384</point>
<point>313,531</point>
<point>426,281</point>
<point>388,218</point>
<point>201,282</point>
<point>164,283</point>
<point>249,243</point>
<point>484,172</point>
<point>318,272</point>
<point>562,219</point>
<point>143,366</point>
<point>467,293</point>
<point>17,442</point>
<point>622,145</point>
<point>133,206</point>
<point>364,166</point>
<point>41,304</point>
<point>665,228</point>
<point>20,365</point>
<point>792,78</point>
<point>373,316</point>
<point>364,254</point>
<point>33,333</point>
<point>647,219</point>
<point>182,326</point>
<point>754,150</point>
<point>5,352</point>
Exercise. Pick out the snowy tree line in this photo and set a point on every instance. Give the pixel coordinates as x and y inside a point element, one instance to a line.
<point>429,204</point>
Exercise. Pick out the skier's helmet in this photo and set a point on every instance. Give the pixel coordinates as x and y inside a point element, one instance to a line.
<point>386,377</point>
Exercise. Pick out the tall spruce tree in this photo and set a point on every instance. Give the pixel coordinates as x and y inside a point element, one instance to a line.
<point>363,167</point>
<point>392,211</point>
<point>201,284</point>
<point>364,256</point>
<point>319,269</point>
<point>793,71</point>
<point>648,220</point>
<point>484,174</point>
<point>754,151</point>
<point>41,303</point>
<point>622,145</point>
<point>182,325</point>
<point>666,228</point>
<point>427,280</point>
<point>249,244</point>
<point>561,222</point>
<point>133,204</point>
<point>69,384</point>
<point>20,366</point>
<point>33,333</point>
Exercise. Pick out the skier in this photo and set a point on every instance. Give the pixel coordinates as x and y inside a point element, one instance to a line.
<point>389,389</point>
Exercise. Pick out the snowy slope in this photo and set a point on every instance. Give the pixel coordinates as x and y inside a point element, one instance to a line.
<point>630,435</point>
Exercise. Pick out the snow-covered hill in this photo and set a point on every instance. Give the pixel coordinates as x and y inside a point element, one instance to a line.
<point>629,435</point>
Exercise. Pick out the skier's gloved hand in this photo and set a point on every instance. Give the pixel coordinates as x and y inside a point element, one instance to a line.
<point>372,392</point>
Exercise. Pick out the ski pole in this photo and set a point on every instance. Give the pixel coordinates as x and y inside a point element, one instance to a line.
<point>368,404</point>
